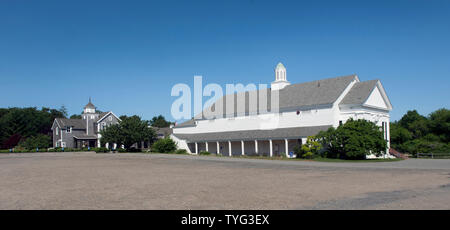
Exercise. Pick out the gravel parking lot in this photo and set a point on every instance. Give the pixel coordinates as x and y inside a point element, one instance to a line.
<point>161,181</point>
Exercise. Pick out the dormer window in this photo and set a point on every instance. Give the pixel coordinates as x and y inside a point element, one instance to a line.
<point>69,129</point>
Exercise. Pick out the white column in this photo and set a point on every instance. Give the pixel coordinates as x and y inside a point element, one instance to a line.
<point>256,147</point>
<point>207,149</point>
<point>196,148</point>
<point>242,148</point>
<point>107,145</point>
<point>218,148</point>
<point>286,147</point>
<point>229,148</point>
<point>115,146</point>
<point>271,149</point>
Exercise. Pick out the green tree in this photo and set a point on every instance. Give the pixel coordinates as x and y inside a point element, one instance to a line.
<point>310,149</point>
<point>39,141</point>
<point>63,110</point>
<point>24,123</point>
<point>165,145</point>
<point>75,116</point>
<point>129,131</point>
<point>111,134</point>
<point>399,135</point>
<point>160,122</point>
<point>329,142</point>
<point>417,124</point>
<point>440,124</point>
<point>354,140</point>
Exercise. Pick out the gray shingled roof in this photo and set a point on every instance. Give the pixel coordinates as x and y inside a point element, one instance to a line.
<point>359,93</point>
<point>74,123</point>
<point>289,133</point>
<point>187,123</point>
<point>101,115</point>
<point>163,131</point>
<point>309,94</point>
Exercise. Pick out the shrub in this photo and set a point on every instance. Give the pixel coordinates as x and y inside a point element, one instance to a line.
<point>354,140</point>
<point>165,145</point>
<point>39,141</point>
<point>204,153</point>
<point>134,150</point>
<point>101,150</point>
<point>181,151</point>
<point>309,150</point>
<point>121,150</point>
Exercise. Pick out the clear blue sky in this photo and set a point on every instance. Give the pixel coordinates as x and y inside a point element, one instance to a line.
<point>127,55</point>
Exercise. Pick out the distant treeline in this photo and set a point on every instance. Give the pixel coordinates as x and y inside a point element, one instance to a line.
<point>19,124</point>
<point>415,133</point>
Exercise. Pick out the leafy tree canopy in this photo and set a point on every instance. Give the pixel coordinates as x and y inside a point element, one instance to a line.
<point>75,116</point>
<point>415,133</point>
<point>160,122</point>
<point>39,141</point>
<point>21,123</point>
<point>129,131</point>
<point>165,145</point>
<point>354,140</point>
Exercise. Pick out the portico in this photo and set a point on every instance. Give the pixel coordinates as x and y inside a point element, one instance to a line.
<point>270,147</point>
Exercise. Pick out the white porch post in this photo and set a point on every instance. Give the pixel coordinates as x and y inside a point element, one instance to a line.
<point>196,148</point>
<point>242,148</point>
<point>229,148</point>
<point>207,147</point>
<point>286,145</point>
<point>218,148</point>
<point>256,147</point>
<point>271,149</point>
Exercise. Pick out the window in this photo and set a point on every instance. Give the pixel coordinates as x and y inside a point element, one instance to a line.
<point>69,129</point>
<point>340,123</point>
<point>92,116</point>
<point>110,118</point>
<point>57,131</point>
<point>103,125</point>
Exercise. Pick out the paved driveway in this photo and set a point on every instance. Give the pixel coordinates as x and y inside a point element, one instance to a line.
<point>161,181</point>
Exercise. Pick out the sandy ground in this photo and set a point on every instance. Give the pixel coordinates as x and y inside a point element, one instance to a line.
<point>161,181</point>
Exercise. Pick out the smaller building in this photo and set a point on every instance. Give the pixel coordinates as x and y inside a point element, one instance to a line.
<point>84,132</point>
<point>162,132</point>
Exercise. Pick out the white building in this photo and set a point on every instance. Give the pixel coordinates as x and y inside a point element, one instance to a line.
<point>304,110</point>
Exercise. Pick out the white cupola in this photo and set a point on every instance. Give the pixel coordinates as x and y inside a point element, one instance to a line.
<point>89,108</point>
<point>280,78</point>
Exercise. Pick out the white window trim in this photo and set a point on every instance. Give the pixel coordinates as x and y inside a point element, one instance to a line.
<point>69,130</point>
